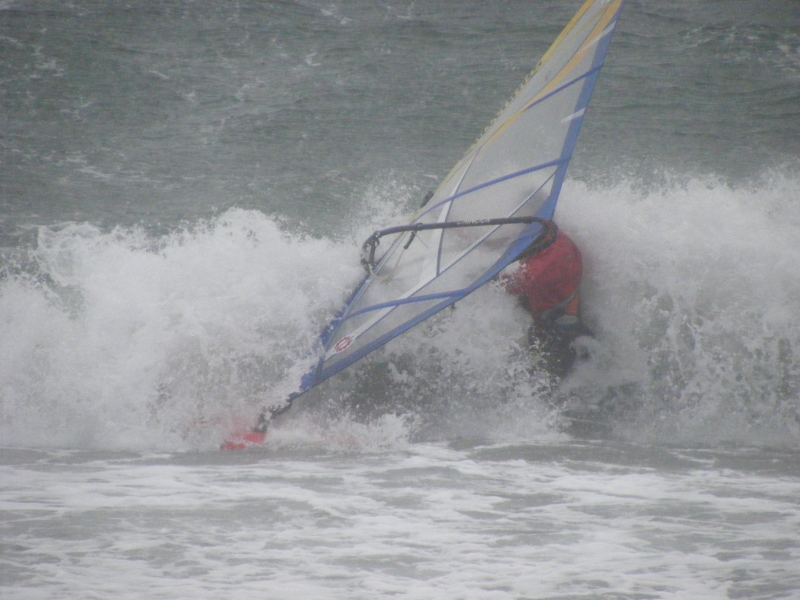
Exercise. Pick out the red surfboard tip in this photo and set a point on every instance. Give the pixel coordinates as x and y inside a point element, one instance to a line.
<point>243,441</point>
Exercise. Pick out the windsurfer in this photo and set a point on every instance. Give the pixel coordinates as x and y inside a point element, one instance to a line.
<point>547,282</point>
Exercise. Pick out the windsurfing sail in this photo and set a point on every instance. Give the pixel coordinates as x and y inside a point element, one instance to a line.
<point>486,211</point>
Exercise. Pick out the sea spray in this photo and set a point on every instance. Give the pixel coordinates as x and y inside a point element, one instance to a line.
<point>693,291</point>
<point>123,338</point>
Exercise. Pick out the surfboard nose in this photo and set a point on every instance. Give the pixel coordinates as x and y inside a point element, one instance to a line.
<point>244,440</point>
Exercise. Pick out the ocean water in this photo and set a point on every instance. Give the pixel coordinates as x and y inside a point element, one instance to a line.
<point>184,189</point>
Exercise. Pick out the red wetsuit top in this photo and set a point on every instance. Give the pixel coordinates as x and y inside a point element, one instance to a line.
<point>548,279</point>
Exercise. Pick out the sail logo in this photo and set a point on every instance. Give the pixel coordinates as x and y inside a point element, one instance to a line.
<point>343,344</point>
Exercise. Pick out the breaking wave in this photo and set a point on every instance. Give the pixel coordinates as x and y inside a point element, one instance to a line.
<point>127,339</point>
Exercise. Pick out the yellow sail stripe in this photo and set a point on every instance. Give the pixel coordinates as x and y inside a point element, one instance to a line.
<point>591,39</point>
<point>564,32</point>
<point>561,76</point>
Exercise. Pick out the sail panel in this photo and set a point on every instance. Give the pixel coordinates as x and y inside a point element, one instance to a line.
<point>516,168</point>
<point>542,126</point>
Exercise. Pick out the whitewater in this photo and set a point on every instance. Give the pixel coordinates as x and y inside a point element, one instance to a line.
<point>181,216</point>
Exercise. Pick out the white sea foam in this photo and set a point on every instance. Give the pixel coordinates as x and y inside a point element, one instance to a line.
<point>125,339</point>
<point>693,292</point>
<point>128,337</point>
<point>499,521</point>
